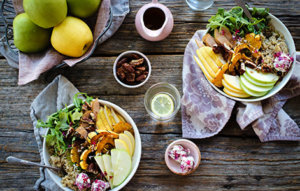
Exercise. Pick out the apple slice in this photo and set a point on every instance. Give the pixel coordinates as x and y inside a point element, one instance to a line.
<point>108,168</point>
<point>233,81</point>
<point>234,94</point>
<point>254,87</point>
<point>126,139</point>
<point>249,79</point>
<point>120,144</point>
<point>99,160</point>
<point>230,89</point>
<point>262,77</point>
<point>251,92</point>
<point>131,137</point>
<point>121,164</point>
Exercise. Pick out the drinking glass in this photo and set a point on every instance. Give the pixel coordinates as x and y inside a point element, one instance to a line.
<point>200,5</point>
<point>162,88</point>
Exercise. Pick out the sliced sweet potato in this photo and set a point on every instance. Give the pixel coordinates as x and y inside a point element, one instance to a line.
<point>219,77</point>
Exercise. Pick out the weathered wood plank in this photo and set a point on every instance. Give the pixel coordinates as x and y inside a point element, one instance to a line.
<point>227,163</point>
<point>187,22</point>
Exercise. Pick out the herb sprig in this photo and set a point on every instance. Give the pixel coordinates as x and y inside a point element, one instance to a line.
<point>238,23</point>
<point>59,123</point>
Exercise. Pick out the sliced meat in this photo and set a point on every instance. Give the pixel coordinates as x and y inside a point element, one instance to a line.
<point>208,40</point>
<point>95,106</point>
<point>82,132</point>
<point>222,40</point>
<point>225,31</point>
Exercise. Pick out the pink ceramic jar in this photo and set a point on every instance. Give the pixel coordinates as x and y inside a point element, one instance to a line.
<point>154,21</point>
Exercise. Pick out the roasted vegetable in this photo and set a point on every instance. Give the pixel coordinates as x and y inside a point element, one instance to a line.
<point>75,155</point>
<point>122,126</point>
<point>83,158</point>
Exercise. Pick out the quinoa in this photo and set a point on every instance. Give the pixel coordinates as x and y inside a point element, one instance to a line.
<point>270,45</point>
<point>68,180</point>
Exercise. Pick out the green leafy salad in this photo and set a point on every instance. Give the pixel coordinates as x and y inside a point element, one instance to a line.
<point>238,23</point>
<point>59,123</point>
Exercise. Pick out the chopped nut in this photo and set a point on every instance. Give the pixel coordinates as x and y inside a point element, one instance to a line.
<point>135,56</point>
<point>141,68</point>
<point>130,77</point>
<point>127,67</point>
<point>141,78</point>
<point>121,73</point>
<point>137,62</point>
<point>122,61</point>
<point>131,70</point>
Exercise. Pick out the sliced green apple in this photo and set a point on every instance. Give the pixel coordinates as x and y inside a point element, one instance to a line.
<point>121,164</point>
<point>120,144</point>
<point>233,81</point>
<point>131,137</point>
<point>249,79</point>
<point>108,168</point>
<point>234,94</point>
<point>232,89</point>
<point>255,88</point>
<point>251,92</point>
<point>99,160</point>
<point>262,77</point>
<point>126,139</point>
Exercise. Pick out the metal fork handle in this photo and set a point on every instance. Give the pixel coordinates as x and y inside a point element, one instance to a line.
<point>15,160</point>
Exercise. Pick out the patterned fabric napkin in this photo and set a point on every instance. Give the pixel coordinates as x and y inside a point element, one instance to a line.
<point>54,97</point>
<point>205,111</point>
<point>32,65</point>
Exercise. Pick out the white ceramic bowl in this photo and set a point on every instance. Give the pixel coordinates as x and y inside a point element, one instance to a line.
<point>279,26</point>
<point>124,54</point>
<point>135,159</point>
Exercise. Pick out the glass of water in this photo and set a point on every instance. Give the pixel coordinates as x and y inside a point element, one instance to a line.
<point>200,5</point>
<point>162,101</point>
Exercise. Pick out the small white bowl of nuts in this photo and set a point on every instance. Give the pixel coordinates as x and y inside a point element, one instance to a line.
<point>132,69</point>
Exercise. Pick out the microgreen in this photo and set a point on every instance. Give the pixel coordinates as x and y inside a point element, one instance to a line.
<point>59,123</point>
<point>235,20</point>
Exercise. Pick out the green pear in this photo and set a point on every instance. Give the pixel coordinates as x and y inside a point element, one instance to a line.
<point>28,37</point>
<point>83,8</point>
<point>46,13</point>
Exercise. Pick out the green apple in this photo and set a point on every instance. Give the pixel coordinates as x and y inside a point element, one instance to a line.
<point>253,87</point>
<point>28,37</point>
<point>249,79</point>
<point>108,167</point>
<point>46,13</point>
<point>251,92</point>
<point>83,8</point>
<point>261,76</point>
<point>121,164</point>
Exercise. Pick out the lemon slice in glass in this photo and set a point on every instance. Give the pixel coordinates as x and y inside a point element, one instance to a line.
<point>162,105</point>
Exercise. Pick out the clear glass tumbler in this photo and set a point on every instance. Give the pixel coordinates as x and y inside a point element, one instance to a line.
<point>162,88</point>
<point>200,5</point>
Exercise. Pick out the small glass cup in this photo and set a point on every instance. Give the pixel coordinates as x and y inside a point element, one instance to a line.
<point>162,88</point>
<point>200,5</point>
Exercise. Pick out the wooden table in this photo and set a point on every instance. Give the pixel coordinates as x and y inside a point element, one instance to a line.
<point>232,160</point>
